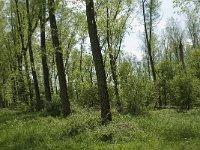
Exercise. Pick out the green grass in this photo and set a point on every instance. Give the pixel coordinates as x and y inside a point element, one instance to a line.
<point>163,129</point>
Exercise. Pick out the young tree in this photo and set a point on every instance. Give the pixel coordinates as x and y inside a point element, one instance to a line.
<point>31,29</point>
<point>116,23</point>
<point>22,54</point>
<point>193,26</point>
<point>150,16</point>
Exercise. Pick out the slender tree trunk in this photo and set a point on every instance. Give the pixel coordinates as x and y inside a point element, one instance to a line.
<point>39,103</point>
<point>14,92</point>
<point>43,52</point>
<point>152,62</point>
<point>20,55</point>
<point>149,38</point>
<point>188,102</point>
<point>1,98</point>
<point>59,59</point>
<point>14,85</point>
<point>16,79</point>
<point>182,54</point>
<point>113,65</point>
<point>148,68</point>
<point>28,79</point>
<point>98,62</point>
<point>81,57</point>
<point>165,94</point>
<point>91,76</point>
<point>54,76</point>
<point>176,52</point>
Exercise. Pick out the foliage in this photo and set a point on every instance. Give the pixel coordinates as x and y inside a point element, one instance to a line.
<point>165,74</point>
<point>54,107</point>
<point>182,86</point>
<point>89,96</point>
<point>137,92</point>
<point>194,63</point>
<point>175,53</point>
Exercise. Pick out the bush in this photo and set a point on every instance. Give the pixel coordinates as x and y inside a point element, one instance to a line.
<point>89,96</point>
<point>182,86</point>
<point>196,92</point>
<point>20,106</point>
<point>194,63</point>
<point>165,73</point>
<point>139,94</point>
<point>54,107</point>
<point>137,91</point>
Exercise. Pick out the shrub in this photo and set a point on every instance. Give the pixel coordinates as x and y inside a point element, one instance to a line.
<point>54,107</point>
<point>139,94</point>
<point>89,96</point>
<point>182,86</point>
<point>165,73</point>
<point>194,62</point>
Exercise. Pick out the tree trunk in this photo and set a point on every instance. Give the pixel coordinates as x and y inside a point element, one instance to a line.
<point>148,37</point>
<point>39,103</point>
<point>148,68</point>
<point>113,65</point>
<point>14,85</point>
<point>1,98</point>
<point>59,60</point>
<point>98,62</point>
<point>164,93</point>
<point>20,55</point>
<point>43,52</point>
<point>28,79</point>
<point>151,62</point>
<point>182,54</point>
<point>81,57</point>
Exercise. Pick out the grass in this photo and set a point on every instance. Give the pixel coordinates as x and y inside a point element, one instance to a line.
<point>161,129</point>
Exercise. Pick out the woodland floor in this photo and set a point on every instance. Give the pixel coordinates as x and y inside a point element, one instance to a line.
<point>157,130</point>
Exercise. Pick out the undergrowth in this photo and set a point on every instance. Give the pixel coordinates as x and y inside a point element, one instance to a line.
<point>161,129</point>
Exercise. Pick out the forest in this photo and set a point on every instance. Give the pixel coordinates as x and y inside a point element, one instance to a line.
<point>66,81</point>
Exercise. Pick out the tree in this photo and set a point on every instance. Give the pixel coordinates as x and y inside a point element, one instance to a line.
<point>193,28</point>
<point>43,50</point>
<point>115,30</point>
<point>175,38</point>
<point>150,15</point>
<point>187,5</point>
<point>22,55</point>
<point>98,62</point>
<point>59,59</point>
<point>31,29</point>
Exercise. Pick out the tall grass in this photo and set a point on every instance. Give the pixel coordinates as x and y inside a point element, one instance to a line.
<point>163,129</point>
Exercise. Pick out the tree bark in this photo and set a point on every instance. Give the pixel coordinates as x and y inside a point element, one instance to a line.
<point>98,62</point>
<point>59,60</point>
